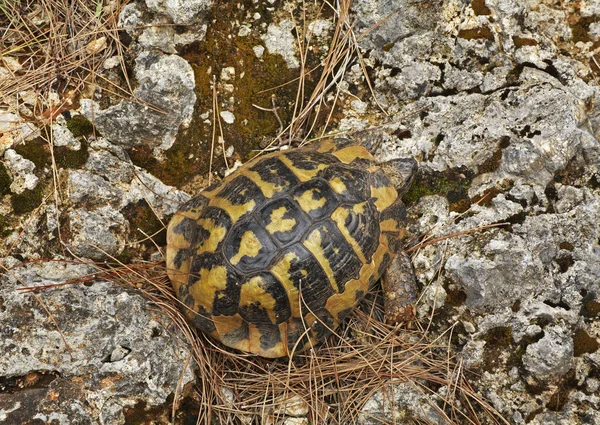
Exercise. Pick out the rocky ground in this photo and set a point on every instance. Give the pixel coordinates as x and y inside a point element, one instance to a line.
<point>496,99</point>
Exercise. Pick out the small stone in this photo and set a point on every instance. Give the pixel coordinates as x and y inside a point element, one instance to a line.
<point>228,73</point>
<point>294,406</point>
<point>227,116</point>
<point>259,51</point>
<point>244,31</point>
<point>280,40</point>
<point>64,137</point>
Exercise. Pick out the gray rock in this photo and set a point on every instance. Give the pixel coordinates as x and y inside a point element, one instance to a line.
<point>181,12</point>
<point>280,40</point>
<point>85,187</point>
<point>118,355</point>
<point>551,357</point>
<point>165,102</point>
<point>21,171</point>
<point>152,29</point>
<point>62,136</point>
<point>399,403</point>
<point>98,234</point>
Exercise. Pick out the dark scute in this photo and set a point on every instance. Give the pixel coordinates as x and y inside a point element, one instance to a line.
<point>379,179</point>
<point>310,160</point>
<point>293,211</point>
<point>344,313</point>
<point>181,256</point>
<point>207,260</point>
<point>345,263</point>
<point>384,265</point>
<point>355,180</point>
<point>274,171</point>
<point>202,321</point>
<point>195,204</point>
<point>320,190</point>
<point>323,325</point>
<point>237,335</point>
<point>256,313</point>
<point>314,285</point>
<point>227,300</point>
<point>217,215</point>
<point>269,336</point>
<point>297,335</point>
<point>396,211</point>
<point>232,245</point>
<point>241,190</point>
<point>359,295</point>
<point>364,228</point>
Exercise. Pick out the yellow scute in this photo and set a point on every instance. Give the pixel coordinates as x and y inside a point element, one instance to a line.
<point>207,284</point>
<point>249,245</point>
<point>385,196</point>
<point>278,223</point>
<point>307,201</point>
<point>349,154</point>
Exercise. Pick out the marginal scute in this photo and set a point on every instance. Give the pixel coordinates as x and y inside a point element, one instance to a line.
<point>271,260</point>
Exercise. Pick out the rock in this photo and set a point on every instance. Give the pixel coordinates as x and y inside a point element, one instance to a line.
<point>551,357</point>
<point>166,102</point>
<point>280,40</point>
<point>85,187</point>
<point>62,136</point>
<point>118,355</point>
<point>21,170</point>
<point>181,12</point>
<point>14,130</point>
<point>399,402</point>
<point>99,234</point>
<point>151,24</point>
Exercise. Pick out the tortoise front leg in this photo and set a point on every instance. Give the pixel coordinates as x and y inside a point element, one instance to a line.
<point>399,289</point>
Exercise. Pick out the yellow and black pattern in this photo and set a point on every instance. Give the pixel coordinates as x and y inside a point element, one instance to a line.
<point>289,242</point>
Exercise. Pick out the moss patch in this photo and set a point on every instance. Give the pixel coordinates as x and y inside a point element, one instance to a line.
<point>141,216</point>
<point>36,151</point>
<point>584,343</point>
<point>451,183</point>
<point>79,125</point>
<point>68,158</point>
<point>5,180</point>
<point>480,8</point>
<point>28,200</point>
<point>480,33</point>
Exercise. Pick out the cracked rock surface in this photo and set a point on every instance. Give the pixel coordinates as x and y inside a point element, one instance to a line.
<point>110,355</point>
<point>496,100</point>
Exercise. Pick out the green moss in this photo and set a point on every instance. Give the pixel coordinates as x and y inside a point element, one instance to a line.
<point>36,151</point>
<point>141,217</point>
<point>27,201</point>
<point>5,180</point>
<point>452,183</point>
<point>523,41</point>
<point>591,309</point>
<point>68,158</point>
<point>80,126</point>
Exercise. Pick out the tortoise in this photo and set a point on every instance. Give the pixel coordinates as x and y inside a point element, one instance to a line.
<point>274,257</point>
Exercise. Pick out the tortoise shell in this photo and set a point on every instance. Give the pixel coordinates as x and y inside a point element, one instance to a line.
<point>272,259</point>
